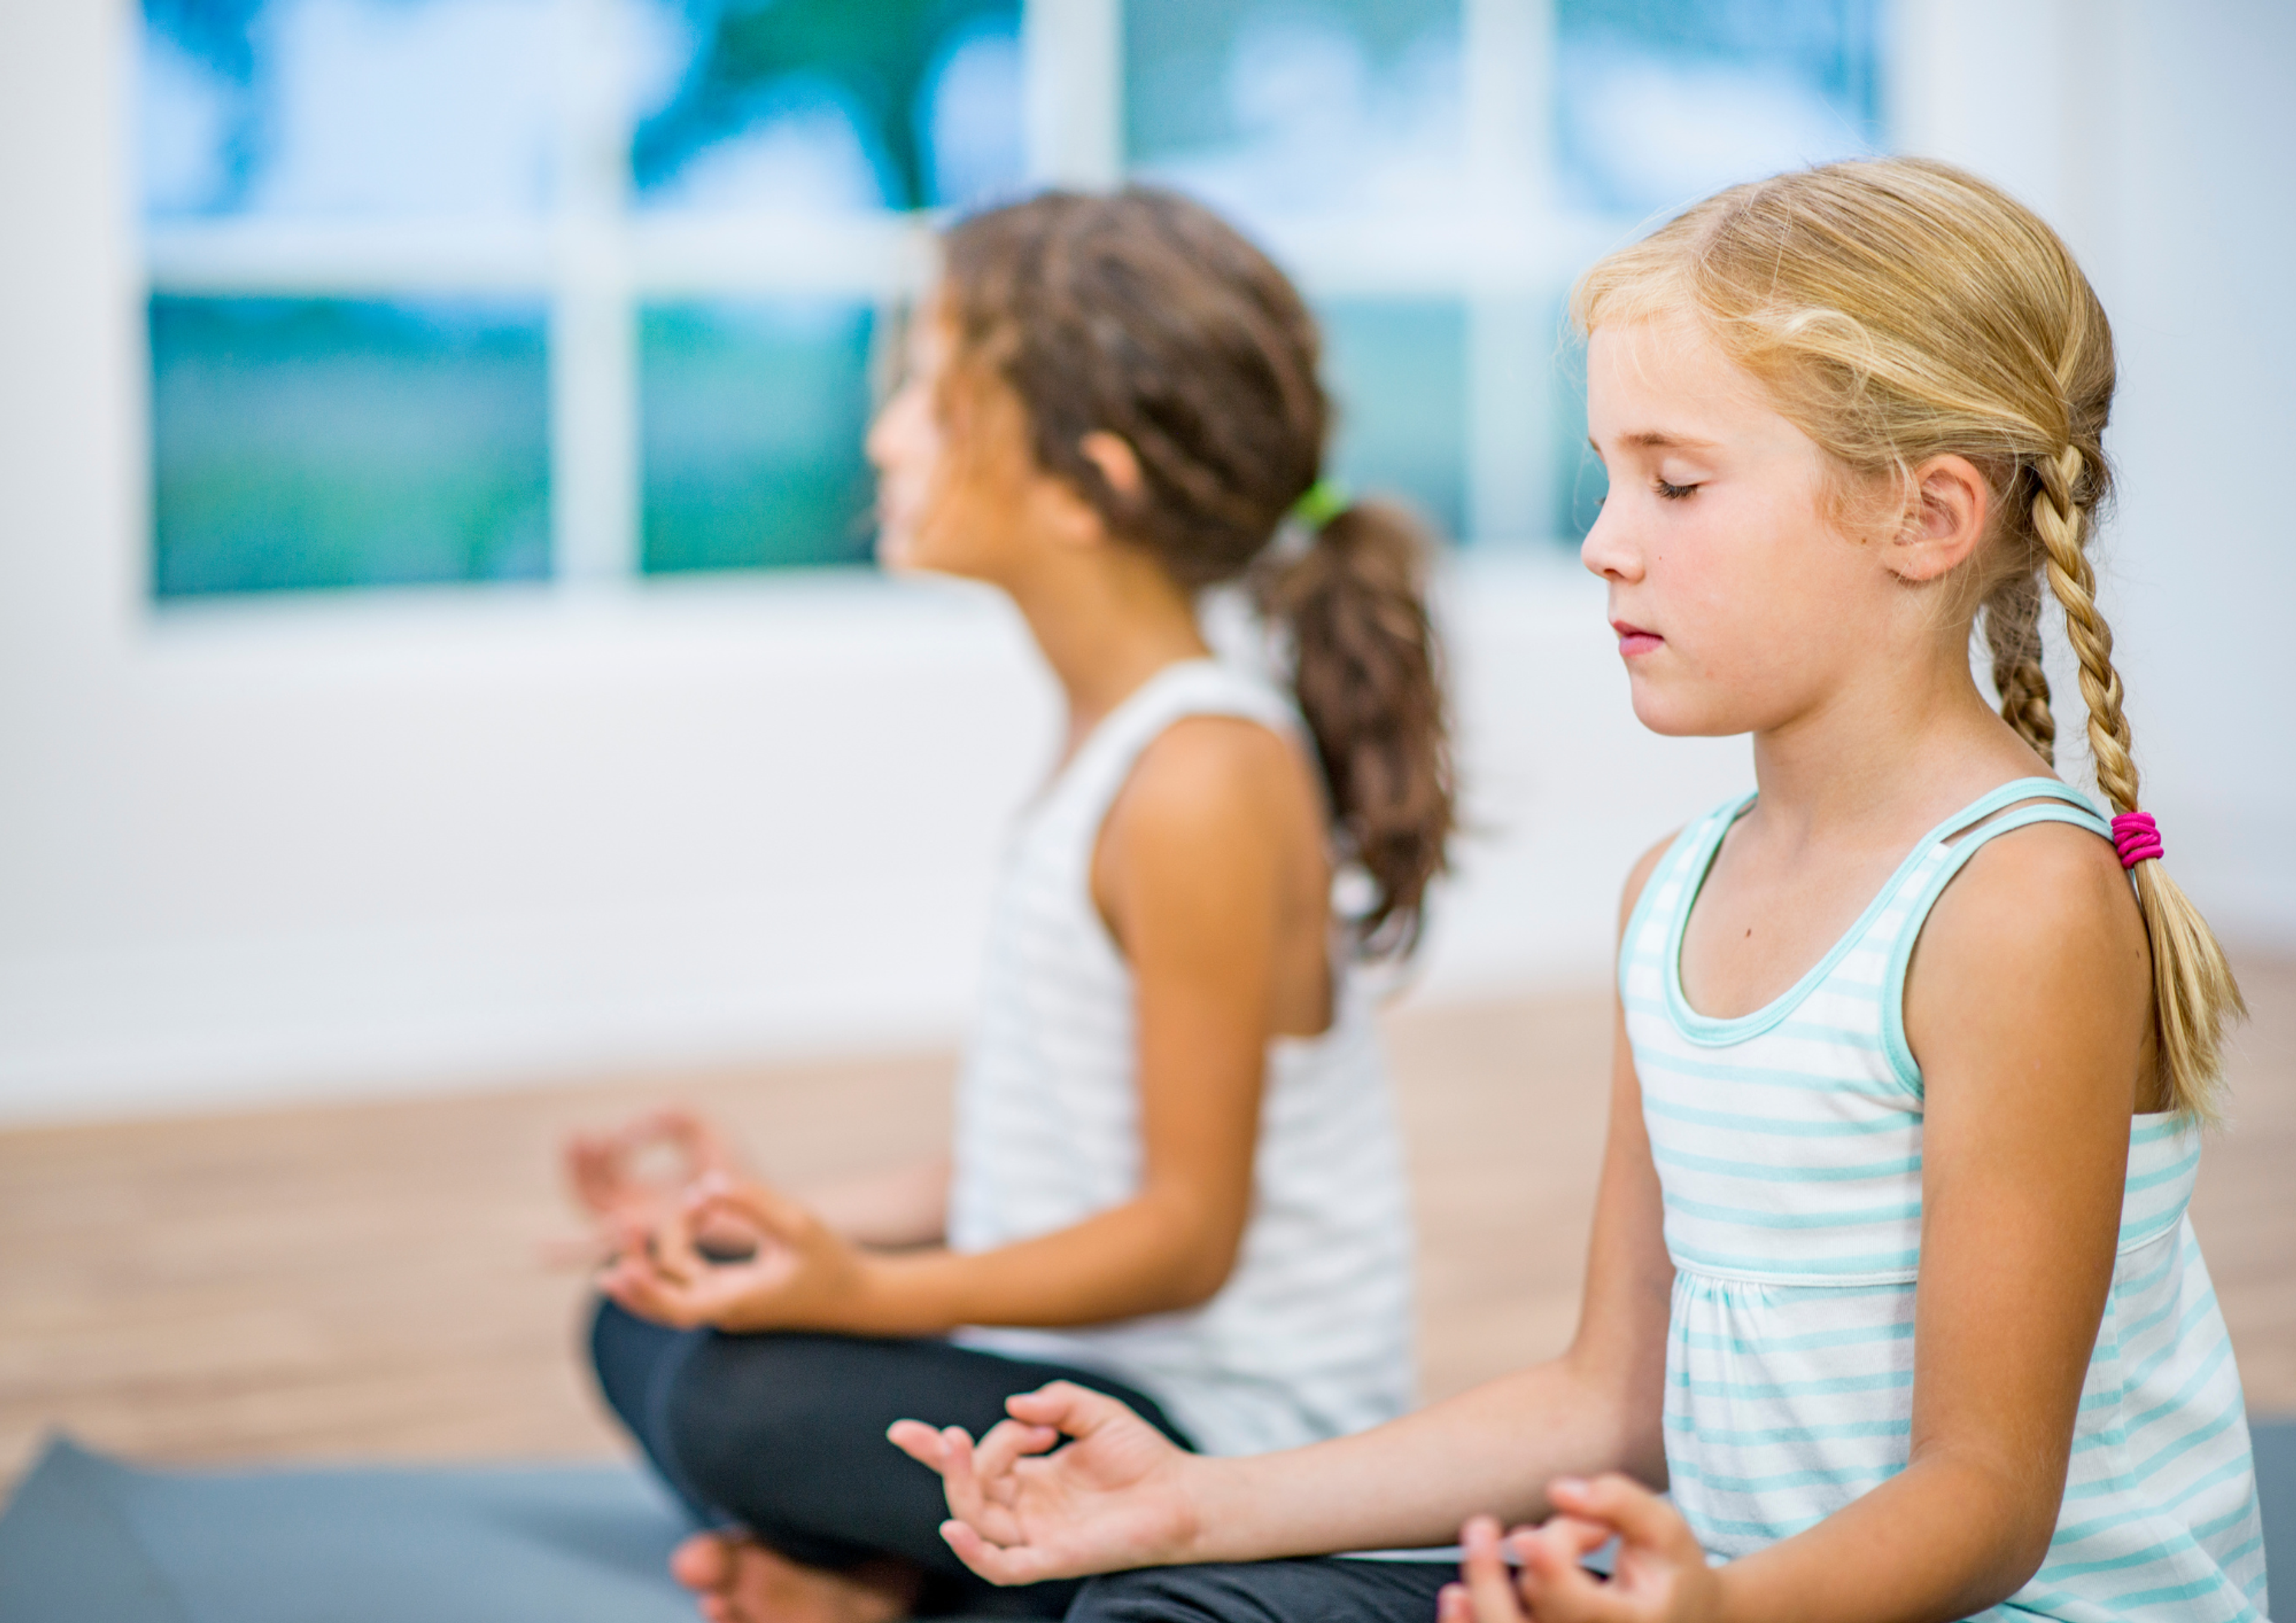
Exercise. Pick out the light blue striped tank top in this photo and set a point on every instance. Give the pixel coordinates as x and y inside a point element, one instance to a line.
<point>1789,1147</point>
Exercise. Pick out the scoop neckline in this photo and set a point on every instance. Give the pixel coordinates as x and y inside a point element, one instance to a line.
<point>1719,1031</point>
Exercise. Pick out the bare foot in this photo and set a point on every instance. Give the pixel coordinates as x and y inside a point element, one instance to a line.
<point>739,1580</point>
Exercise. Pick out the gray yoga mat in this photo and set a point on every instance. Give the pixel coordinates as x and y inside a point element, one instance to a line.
<point>94,1541</point>
<point>87,1539</point>
<point>2276,1492</point>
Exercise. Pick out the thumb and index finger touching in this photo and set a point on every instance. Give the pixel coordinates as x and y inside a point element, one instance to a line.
<point>946,1450</point>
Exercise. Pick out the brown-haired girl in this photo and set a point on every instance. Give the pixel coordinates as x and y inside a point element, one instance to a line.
<point>1891,1283</point>
<point>1175,1179</point>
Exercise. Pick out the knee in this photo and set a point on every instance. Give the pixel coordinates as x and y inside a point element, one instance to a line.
<point>699,1420</point>
<point>625,1354</point>
<point>1156,1594</point>
<point>741,1415</point>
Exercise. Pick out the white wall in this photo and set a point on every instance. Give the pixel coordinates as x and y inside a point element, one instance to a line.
<point>2158,135</point>
<point>414,839</point>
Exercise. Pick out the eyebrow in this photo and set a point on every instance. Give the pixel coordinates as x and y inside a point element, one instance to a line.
<point>1659,439</point>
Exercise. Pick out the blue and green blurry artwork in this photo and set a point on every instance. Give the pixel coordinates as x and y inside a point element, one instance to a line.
<point>752,417</point>
<point>300,443</point>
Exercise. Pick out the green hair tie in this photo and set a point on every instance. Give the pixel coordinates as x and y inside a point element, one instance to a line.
<point>1326,499</point>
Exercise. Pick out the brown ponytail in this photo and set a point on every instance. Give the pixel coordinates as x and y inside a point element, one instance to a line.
<point>1146,316</point>
<point>1364,663</point>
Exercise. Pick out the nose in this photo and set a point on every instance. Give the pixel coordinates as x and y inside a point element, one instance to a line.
<point>1609,551</point>
<point>877,446</point>
<point>892,426</point>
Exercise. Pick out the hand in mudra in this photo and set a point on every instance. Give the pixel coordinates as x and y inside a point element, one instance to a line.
<point>1117,1496</point>
<point>1659,1574</point>
<point>638,1173</point>
<point>739,1257</point>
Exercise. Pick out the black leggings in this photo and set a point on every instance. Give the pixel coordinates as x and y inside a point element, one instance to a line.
<point>1328,1589</point>
<point>783,1436</point>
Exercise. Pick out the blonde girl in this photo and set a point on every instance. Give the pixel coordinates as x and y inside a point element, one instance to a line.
<point>1891,1284</point>
<point>1176,1176</point>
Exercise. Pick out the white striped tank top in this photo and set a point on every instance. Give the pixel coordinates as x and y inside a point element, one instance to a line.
<point>1310,1337</point>
<point>1789,1147</point>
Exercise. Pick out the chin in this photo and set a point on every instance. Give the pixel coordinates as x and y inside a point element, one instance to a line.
<point>895,554</point>
<point>1674,714</point>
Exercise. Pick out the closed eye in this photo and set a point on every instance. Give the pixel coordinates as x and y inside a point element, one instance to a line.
<point>1672,493</point>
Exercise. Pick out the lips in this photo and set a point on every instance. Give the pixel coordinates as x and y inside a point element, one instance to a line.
<point>1633,640</point>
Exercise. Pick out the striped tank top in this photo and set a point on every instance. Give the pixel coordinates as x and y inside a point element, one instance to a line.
<point>1789,1147</point>
<point>1310,1337</point>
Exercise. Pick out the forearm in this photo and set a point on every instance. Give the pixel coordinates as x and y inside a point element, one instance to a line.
<point>896,1210</point>
<point>1946,1537</point>
<point>1149,1255</point>
<point>1414,1481</point>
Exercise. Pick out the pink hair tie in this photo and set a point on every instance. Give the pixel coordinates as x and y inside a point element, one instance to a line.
<point>2136,838</point>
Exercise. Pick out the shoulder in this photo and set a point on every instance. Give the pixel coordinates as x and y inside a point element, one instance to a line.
<point>1211,776</point>
<point>2040,927</point>
<point>1218,809</point>
<point>1638,877</point>
<point>2046,887</point>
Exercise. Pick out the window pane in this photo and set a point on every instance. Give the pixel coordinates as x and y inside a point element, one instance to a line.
<point>753,416</point>
<point>326,443</point>
<point>1661,102</point>
<point>348,107</point>
<point>1283,106</point>
<point>1397,369</point>
<point>834,104</point>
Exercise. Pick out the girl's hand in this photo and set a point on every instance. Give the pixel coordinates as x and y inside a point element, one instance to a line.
<point>608,1172</point>
<point>1117,1496</point>
<point>1661,1575</point>
<point>799,1274</point>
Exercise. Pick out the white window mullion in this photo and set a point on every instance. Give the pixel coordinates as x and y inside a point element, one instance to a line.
<point>1072,71</point>
<point>1507,51</point>
<point>593,417</point>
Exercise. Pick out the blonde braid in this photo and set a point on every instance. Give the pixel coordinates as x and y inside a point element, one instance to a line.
<point>2012,633</point>
<point>2193,991</point>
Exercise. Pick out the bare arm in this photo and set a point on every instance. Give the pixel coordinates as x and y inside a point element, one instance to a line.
<point>1121,1498</point>
<point>898,1210</point>
<point>1493,1449</point>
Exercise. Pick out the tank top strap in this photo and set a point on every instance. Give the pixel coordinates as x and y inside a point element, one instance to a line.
<point>2070,800</point>
<point>1089,785</point>
<point>1946,852</point>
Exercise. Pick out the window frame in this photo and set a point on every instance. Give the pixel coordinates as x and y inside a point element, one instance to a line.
<point>1506,256</point>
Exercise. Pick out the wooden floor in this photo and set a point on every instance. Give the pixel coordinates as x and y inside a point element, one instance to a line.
<point>365,1281</point>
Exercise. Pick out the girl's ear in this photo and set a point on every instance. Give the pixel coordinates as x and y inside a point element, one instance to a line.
<point>1118,462</point>
<point>1949,504</point>
<point>1077,521</point>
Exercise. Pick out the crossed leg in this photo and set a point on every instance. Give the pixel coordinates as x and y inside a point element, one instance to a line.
<point>777,1442</point>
